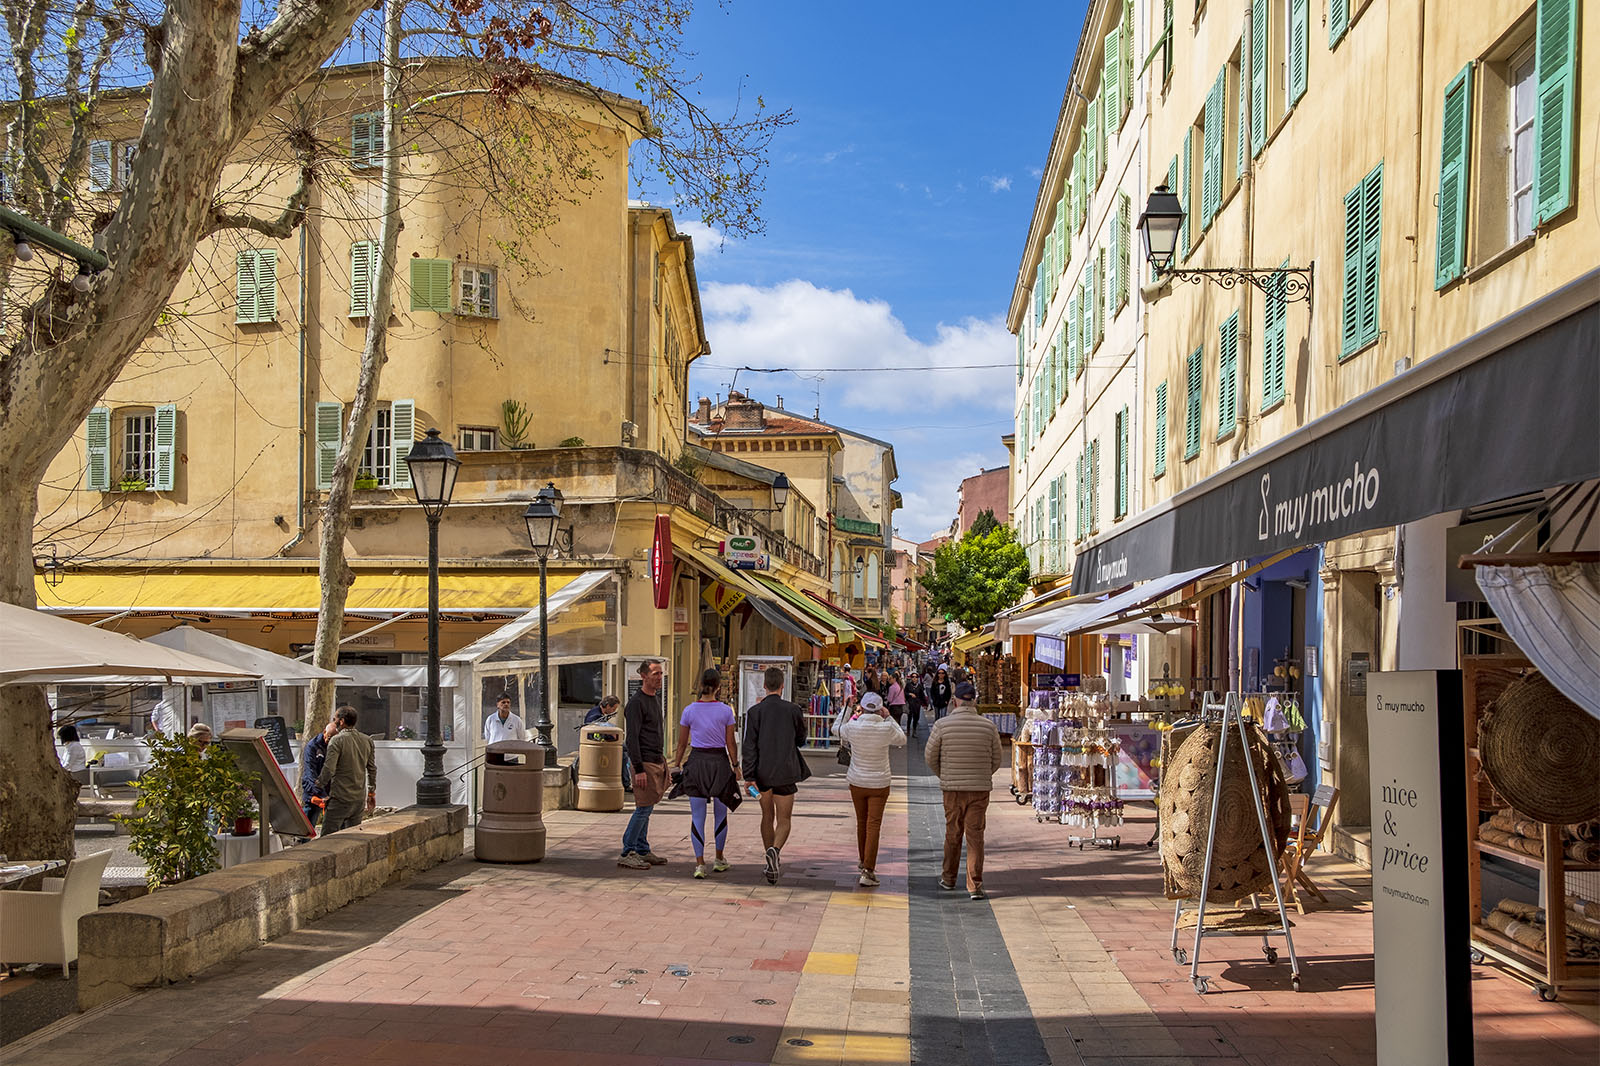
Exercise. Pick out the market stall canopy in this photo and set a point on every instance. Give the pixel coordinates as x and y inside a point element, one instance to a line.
<point>1070,618</point>
<point>841,631</point>
<point>976,639</point>
<point>265,591</point>
<point>1157,625</point>
<point>37,648</point>
<point>563,594</point>
<point>1505,412</point>
<point>274,669</point>
<point>762,599</point>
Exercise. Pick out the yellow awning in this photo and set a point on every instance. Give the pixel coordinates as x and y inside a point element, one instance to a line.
<point>275,590</point>
<point>843,632</point>
<point>973,641</point>
<point>746,584</point>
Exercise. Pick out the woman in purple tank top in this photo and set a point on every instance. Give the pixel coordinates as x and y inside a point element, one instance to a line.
<point>707,729</point>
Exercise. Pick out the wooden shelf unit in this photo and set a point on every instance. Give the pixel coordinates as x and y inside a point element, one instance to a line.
<point>1483,677</point>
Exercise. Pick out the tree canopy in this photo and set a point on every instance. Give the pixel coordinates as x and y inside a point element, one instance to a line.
<point>976,577</point>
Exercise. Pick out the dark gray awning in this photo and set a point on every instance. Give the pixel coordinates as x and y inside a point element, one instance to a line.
<point>1458,430</point>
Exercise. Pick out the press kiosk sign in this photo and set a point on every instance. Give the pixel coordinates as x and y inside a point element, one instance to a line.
<point>1419,869</point>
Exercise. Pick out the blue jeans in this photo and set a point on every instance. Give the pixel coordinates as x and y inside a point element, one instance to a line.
<point>636,837</point>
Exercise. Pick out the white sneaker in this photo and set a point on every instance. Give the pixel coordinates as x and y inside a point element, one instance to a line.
<point>633,861</point>
<point>700,871</point>
<point>774,866</point>
<point>868,879</point>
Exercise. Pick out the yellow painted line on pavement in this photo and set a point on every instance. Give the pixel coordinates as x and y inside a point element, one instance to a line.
<point>877,898</point>
<point>832,1046</point>
<point>838,963</point>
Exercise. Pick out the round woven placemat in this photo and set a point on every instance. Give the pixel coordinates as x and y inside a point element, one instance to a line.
<point>1239,863</point>
<point>1541,752</point>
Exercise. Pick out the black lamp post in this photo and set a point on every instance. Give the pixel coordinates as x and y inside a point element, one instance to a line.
<point>1160,224</point>
<point>541,516</point>
<point>780,491</point>
<point>433,466</point>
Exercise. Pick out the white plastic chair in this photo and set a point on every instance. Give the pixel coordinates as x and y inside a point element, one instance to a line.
<point>43,926</point>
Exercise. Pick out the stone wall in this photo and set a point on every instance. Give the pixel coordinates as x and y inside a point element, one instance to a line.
<point>177,932</point>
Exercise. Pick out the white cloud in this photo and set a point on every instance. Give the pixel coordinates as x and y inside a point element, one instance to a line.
<point>708,240</point>
<point>998,184</point>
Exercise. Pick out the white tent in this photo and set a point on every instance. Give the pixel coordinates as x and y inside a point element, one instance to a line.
<point>272,668</point>
<point>38,648</point>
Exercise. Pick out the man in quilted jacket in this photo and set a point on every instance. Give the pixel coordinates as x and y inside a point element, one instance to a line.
<point>964,750</point>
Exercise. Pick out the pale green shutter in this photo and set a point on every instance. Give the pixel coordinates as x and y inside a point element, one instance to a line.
<point>97,450</point>
<point>1124,241</point>
<point>1022,355</point>
<point>1103,134</point>
<point>1073,337</point>
<point>1092,132</point>
<point>1111,80</point>
<point>1260,34</point>
<point>330,422</point>
<point>1077,507</point>
<point>1094,484</point>
<point>1166,36</point>
<point>1022,430</point>
<point>166,447</point>
<point>1161,429</point>
<point>403,417</point>
<point>363,271</point>
<point>245,287</point>
<point>256,286</point>
<point>1061,361</point>
<point>1228,376</point>
<point>430,285</point>
<point>1274,345</point>
<point>1557,49</point>
<point>1191,429</point>
<point>1211,147</point>
<point>1371,242</point>
<point>366,139</point>
<point>1453,167</point>
<point>100,169</point>
<point>1338,20</point>
<point>1350,305</point>
<point>1054,529</point>
<point>1122,462</point>
<point>1241,142</point>
<point>1183,192</point>
<point>1100,291</point>
<point>1129,50</point>
<point>1299,48</point>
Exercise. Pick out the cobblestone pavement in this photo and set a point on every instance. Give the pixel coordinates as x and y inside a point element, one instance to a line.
<point>575,962</point>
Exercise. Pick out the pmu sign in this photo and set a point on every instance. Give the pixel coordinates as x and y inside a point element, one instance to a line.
<point>743,553</point>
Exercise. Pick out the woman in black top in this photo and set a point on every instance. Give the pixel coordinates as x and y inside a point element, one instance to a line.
<point>939,693</point>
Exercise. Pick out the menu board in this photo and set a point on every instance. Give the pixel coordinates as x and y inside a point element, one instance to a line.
<point>277,738</point>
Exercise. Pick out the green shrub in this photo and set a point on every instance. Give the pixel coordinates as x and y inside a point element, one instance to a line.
<point>184,797</point>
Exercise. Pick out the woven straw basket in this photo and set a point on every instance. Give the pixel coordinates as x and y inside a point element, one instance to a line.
<point>1541,752</point>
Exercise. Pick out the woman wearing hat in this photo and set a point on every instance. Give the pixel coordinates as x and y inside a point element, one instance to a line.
<point>707,730</point>
<point>870,735</point>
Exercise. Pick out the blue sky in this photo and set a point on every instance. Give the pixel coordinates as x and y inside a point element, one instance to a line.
<point>896,208</point>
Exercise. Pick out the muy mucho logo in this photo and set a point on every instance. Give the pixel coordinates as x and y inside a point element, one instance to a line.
<point>1294,516</point>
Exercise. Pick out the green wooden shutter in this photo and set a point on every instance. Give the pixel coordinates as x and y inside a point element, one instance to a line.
<point>1338,20</point>
<point>1022,353</point>
<point>1122,462</point>
<point>166,453</point>
<point>1228,376</point>
<point>1094,484</point>
<point>1061,362</point>
<point>363,271</point>
<point>1092,181</point>
<point>1241,142</point>
<point>1260,34</point>
<point>256,286</point>
<point>1077,506</point>
<point>244,287</point>
<point>1124,233</point>
<point>1129,51</point>
<point>1111,80</point>
<point>1161,430</point>
<point>1022,430</point>
<point>1453,165</point>
<point>1183,193</point>
<point>1103,133</point>
<point>1371,242</point>
<point>1299,48</point>
<point>403,417</point>
<point>1072,337</point>
<point>1274,347</point>
<point>1350,305</point>
<point>1100,295</point>
<point>330,423</point>
<point>1211,146</point>
<point>100,169</point>
<point>430,285</point>
<point>97,450</point>
<point>1191,429</point>
<point>1166,33</point>
<point>1556,64</point>
<point>366,139</point>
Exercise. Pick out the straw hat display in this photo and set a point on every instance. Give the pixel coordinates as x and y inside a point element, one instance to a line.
<point>1239,865</point>
<point>1541,752</point>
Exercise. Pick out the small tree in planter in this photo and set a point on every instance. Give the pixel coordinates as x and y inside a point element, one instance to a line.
<point>184,797</point>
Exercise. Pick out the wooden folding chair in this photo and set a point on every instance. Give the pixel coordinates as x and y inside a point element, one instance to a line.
<point>1307,839</point>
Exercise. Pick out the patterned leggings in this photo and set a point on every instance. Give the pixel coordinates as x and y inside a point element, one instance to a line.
<point>697,818</point>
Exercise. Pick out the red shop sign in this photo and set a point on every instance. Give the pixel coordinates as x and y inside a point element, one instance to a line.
<point>661,562</point>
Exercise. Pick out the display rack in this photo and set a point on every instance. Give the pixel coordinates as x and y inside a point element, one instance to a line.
<point>1551,971</point>
<point>1073,766</point>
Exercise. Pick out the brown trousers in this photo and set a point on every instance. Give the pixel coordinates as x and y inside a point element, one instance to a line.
<point>869,822</point>
<point>964,813</point>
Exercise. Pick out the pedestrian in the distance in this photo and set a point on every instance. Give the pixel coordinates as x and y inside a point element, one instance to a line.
<point>708,731</point>
<point>940,692</point>
<point>870,735</point>
<point>312,758</point>
<point>641,718</point>
<point>503,724</point>
<point>350,764</point>
<point>964,750</point>
<point>774,733</point>
<point>895,698</point>
<point>914,701</point>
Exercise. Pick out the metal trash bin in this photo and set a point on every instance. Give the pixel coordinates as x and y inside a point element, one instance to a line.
<point>600,768</point>
<point>511,823</point>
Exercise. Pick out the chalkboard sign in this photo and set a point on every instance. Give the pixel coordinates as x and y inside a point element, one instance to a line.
<point>277,738</point>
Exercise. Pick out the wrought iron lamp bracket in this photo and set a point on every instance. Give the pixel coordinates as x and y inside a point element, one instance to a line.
<point>1296,281</point>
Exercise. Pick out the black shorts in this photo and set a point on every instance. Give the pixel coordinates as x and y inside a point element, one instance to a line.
<point>782,790</point>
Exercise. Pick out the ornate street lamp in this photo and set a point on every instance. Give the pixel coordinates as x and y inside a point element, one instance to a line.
<point>780,491</point>
<point>433,466</point>
<point>1163,220</point>
<point>541,517</point>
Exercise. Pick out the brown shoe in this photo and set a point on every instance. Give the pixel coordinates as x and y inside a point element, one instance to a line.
<point>653,859</point>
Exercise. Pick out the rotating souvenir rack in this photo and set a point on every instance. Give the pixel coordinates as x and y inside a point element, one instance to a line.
<point>1074,768</point>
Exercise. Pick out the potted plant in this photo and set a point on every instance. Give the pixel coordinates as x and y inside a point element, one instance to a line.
<point>132,483</point>
<point>366,479</point>
<point>185,794</point>
<point>515,421</point>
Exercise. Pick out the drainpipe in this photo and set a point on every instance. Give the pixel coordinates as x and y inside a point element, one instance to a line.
<point>300,467</point>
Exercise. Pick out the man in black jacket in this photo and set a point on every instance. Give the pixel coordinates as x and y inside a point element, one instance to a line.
<point>641,720</point>
<point>774,732</point>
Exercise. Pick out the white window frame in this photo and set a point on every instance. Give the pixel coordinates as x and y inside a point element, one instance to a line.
<point>1522,58</point>
<point>480,439</point>
<point>469,293</point>
<point>137,438</point>
<point>122,157</point>
<point>377,455</point>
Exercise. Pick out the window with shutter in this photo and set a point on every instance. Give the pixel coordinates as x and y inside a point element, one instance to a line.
<point>1111,76</point>
<point>1556,58</point>
<point>1241,108</point>
<point>1080,521</point>
<point>1129,50</point>
<point>164,473</point>
<point>403,422</point>
<point>1185,200</point>
<point>1122,463</point>
<point>1022,357</point>
<point>366,139</point>
<point>1073,337</point>
<point>101,170</point>
<point>1454,145</point>
<point>1274,346</point>
<point>430,285</point>
<point>1363,232</point>
<point>1092,133</point>
<point>1166,48</point>
<point>329,426</point>
<point>480,296</point>
<point>1022,429</point>
<point>1160,464</point>
<point>1124,239</point>
<point>1191,428</point>
<point>1061,361</point>
<point>1299,48</point>
<point>1228,376</point>
<point>1211,147</point>
<point>1260,34</point>
<point>1100,300</point>
<point>1338,21</point>
<point>97,450</point>
<point>363,274</point>
<point>256,288</point>
<point>1094,485</point>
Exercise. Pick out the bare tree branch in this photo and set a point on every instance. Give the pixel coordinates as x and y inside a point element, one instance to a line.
<point>280,228</point>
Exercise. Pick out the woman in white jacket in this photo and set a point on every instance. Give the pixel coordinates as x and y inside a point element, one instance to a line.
<point>870,735</point>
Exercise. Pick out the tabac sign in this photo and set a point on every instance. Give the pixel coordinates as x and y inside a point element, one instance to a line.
<point>661,562</point>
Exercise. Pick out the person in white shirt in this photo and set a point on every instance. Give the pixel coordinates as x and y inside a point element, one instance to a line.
<point>870,735</point>
<point>74,759</point>
<point>164,717</point>
<point>503,725</point>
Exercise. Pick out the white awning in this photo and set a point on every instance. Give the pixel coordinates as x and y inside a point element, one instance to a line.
<point>1067,619</point>
<point>274,669</point>
<point>37,648</point>
<point>1553,613</point>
